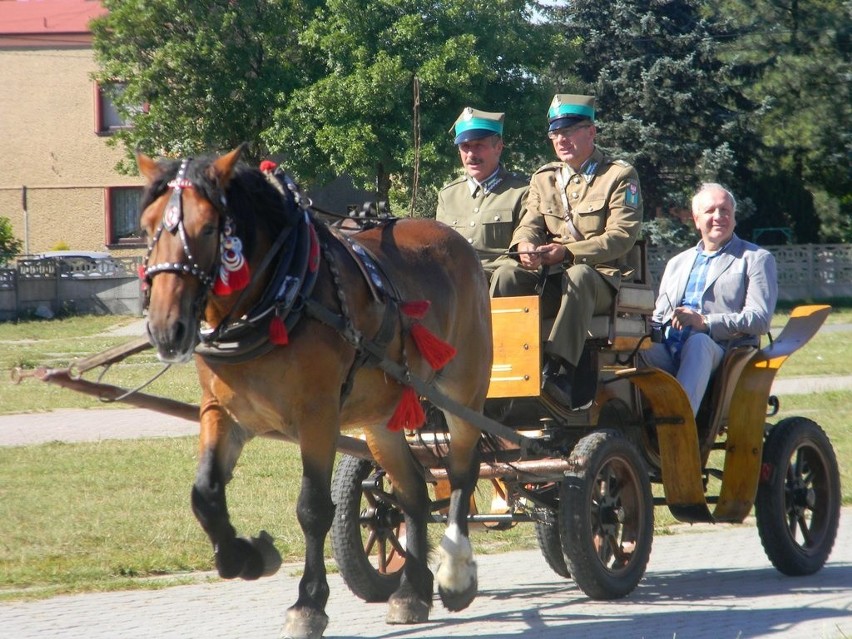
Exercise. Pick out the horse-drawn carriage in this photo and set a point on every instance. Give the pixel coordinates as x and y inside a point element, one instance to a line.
<point>300,330</point>
<point>584,478</point>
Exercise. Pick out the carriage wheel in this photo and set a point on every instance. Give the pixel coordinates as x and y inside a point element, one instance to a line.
<point>798,498</point>
<point>606,516</point>
<point>368,531</point>
<point>550,544</point>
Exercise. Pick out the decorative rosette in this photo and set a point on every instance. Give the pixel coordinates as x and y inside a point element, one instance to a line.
<point>233,269</point>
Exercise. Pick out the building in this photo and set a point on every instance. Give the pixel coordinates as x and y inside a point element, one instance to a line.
<point>58,183</point>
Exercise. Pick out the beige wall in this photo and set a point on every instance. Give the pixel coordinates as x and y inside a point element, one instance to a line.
<point>48,144</point>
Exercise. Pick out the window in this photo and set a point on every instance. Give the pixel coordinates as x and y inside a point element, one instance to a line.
<point>107,117</point>
<point>122,215</point>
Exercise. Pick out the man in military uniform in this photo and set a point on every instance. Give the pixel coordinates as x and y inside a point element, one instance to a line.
<point>485,204</point>
<point>582,216</point>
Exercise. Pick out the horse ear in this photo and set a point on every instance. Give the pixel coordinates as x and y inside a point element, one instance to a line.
<point>224,165</point>
<point>147,166</point>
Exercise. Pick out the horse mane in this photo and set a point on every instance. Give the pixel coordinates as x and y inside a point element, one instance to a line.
<point>255,205</point>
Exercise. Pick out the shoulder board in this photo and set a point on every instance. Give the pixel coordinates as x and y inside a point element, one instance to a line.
<point>458,180</point>
<point>549,167</point>
<point>623,163</point>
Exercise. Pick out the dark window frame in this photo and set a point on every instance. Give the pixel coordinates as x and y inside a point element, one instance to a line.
<point>110,219</point>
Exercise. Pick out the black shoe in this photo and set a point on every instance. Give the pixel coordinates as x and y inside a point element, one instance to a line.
<point>559,388</point>
<point>559,385</point>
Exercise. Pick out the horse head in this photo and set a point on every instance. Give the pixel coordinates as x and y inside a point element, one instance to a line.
<point>204,221</point>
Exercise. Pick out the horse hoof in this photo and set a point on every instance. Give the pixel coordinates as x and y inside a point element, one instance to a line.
<point>458,600</point>
<point>304,624</point>
<point>407,610</point>
<point>269,555</point>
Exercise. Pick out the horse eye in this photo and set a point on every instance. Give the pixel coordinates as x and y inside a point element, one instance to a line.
<point>209,229</point>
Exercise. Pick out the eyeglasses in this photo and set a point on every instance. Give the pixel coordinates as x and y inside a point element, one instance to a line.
<point>566,132</point>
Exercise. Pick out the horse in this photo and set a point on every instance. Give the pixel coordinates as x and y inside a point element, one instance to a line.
<point>293,326</point>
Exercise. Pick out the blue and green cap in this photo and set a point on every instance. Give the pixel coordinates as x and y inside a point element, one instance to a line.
<point>567,109</point>
<point>473,124</point>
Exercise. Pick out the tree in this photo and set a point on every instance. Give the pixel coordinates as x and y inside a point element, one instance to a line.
<point>10,246</point>
<point>802,50</point>
<point>396,74</point>
<point>198,76</point>
<point>665,100</point>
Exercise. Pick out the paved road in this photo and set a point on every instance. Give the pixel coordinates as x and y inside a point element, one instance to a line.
<point>703,583</point>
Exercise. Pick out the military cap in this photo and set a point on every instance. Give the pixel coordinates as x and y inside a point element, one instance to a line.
<point>473,124</point>
<point>567,109</point>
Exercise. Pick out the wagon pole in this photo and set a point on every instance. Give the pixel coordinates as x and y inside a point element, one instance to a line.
<point>70,378</point>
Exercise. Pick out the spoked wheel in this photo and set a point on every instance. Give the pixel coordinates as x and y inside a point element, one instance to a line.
<point>368,531</point>
<point>798,498</point>
<point>606,516</point>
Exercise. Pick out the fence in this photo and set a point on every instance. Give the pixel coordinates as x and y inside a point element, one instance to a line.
<point>47,286</point>
<point>810,272</point>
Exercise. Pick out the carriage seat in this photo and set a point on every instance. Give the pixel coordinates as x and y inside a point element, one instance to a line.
<point>625,324</point>
<point>518,329</point>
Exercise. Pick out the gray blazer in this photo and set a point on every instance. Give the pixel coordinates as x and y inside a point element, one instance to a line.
<point>739,297</point>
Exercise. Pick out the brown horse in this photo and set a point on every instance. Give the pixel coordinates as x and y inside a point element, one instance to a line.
<point>285,318</point>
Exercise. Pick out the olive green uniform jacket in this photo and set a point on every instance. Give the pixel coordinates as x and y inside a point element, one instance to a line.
<point>604,202</point>
<point>486,219</point>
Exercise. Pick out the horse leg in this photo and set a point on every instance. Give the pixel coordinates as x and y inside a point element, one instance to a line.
<point>413,599</point>
<point>456,574</point>
<point>307,619</point>
<point>220,445</point>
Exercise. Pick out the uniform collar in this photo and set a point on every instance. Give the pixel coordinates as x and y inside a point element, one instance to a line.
<point>588,169</point>
<point>488,184</point>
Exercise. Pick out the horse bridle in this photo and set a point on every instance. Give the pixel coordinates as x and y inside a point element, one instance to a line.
<point>172,221</point>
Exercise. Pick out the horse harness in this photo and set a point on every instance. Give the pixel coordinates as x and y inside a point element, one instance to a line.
<point>288,294</point>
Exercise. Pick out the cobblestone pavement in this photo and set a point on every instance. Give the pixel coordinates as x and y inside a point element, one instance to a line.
<point>706,582</point>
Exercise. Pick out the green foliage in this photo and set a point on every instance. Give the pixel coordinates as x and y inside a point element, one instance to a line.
<point>665,100</point>
<point>387,63</point>
<point>10,246</point>
<point>668,231</point>
<point>801,52</point>
<point>210,73</point>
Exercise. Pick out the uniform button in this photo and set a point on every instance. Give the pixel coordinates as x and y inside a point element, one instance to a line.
<point>575,195</point>
<point>496,218</point>
<point>473,223</point>
<point>476,210</point>
<point>576,179</point>
<point>455,222</point>
<point>470,240</point>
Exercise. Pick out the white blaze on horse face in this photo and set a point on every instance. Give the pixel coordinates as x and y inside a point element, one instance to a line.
<point>457,569</point>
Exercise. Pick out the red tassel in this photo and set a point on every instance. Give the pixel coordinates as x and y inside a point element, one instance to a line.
<point>436,351</point>
<point>140,270</point>
<point>278,332</point>
<point>221,286</point>
<point>416,309</point>
<point>267,166</point>
<point>239,279</point>
<point>409,413</point>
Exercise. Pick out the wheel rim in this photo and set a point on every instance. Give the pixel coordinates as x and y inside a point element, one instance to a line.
<point>616,517</point>
<point>382,528</point>
<point>806,496</point>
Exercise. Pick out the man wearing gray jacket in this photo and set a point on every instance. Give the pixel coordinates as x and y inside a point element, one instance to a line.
<point>715,296</point>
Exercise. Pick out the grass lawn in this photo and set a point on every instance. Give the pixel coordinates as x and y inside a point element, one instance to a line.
<point>108,515</point>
